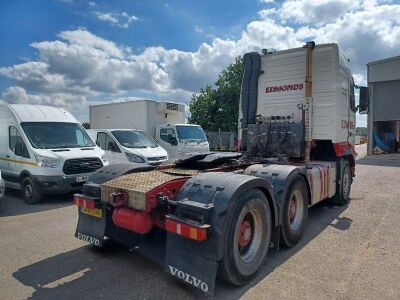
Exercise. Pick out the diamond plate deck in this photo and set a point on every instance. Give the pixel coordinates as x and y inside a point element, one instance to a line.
<point>137,185</point>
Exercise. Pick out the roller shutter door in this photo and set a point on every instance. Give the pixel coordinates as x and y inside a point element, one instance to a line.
<point>386,100</point>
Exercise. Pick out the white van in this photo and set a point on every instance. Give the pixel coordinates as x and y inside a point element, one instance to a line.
<point>128,145</point>
<point>45,150</point>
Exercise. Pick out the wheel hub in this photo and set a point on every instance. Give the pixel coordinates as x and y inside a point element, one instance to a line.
<point>346,184</point>
<point>245,233</point>
<point>292,209</point>
<point>28,190</point>
<point>295,210</point>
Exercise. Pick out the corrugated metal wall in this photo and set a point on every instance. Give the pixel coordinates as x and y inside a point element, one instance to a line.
<point>385,70</point>
<point>386,101</point>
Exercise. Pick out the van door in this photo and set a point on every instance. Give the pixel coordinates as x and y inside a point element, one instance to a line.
<point>110,147</point>
<point>18,157</point>
<point>168,140</point>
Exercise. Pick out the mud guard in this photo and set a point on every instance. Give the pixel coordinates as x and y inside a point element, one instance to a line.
<point>91,229</point>
<point>279,176</point>
<point>211,198</point>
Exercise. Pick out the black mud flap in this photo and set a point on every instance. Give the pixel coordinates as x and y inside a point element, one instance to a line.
<point>193,269</point>
<point>91,229</point>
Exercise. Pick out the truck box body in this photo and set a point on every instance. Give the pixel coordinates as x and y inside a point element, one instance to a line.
<point>143,115</point>
<point>281,88</point>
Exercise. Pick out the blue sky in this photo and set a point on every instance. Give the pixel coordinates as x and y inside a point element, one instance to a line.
<point>74,53</point>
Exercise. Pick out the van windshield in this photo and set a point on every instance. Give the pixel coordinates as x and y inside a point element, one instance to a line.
<point>134,139</point>
<point>52,135</point>
<point>190,133</point>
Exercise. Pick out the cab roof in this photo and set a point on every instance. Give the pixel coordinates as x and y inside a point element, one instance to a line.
<point>41,113</point>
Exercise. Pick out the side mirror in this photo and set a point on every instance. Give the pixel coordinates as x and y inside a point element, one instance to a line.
<point>113,147</point>
<point>172,140</point>
<point>21,150</point>
<point>364,100</point>
<point>18,149</point>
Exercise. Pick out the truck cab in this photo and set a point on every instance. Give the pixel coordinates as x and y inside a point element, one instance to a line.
<point>181,139</point>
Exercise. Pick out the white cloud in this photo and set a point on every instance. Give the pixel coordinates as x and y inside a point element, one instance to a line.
<point>18,95</point>
<point>266,1</point>
<point>266,13</point>
<point>79,62</point>
<point>364,35</point>
<point>122,20</point>
<point>315,11</point>
<point>198,29</point>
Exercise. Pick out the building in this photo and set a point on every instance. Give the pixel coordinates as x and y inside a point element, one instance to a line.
<point>384,114</point>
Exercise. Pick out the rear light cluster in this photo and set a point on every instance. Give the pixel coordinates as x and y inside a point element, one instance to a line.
<point>197,233</point>
<point>84,202</point>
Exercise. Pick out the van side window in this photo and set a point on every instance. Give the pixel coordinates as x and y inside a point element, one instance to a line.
<point>16,143</point>
<point>168,135</point>
<point>105,142</point>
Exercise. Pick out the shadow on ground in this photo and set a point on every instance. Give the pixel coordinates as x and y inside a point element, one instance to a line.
<point>114,272</point>
<point>383,160</point>
<point>13,204</point>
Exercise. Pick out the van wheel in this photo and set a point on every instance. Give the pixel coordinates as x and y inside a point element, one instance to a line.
<point>30,192</point>
<point>248,238</point>
<point>343,188</point>
<point>295,212</point>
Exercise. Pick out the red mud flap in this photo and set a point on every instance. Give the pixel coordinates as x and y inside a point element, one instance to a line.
<point>192,269</point>
<point>91,229</point>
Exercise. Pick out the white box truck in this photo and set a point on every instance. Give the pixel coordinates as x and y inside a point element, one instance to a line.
<point>165,121</point>
<point>45,150</point>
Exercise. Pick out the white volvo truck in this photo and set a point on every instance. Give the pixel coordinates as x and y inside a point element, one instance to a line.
<point>218,214</point>
<point>165,121</point>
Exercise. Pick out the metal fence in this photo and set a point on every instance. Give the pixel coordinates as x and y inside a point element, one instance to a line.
<point>222,140</point>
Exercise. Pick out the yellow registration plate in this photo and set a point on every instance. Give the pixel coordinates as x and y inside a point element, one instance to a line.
<point>95,212</point>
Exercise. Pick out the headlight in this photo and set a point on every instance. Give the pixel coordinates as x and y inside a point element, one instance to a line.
<point>47,162</point>
<point>104,158</point>
<point>134,158</point>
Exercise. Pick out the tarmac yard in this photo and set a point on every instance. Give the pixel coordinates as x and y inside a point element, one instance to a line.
<point>347,252</point>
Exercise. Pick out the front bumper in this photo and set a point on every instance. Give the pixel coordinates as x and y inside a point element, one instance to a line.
<point>49,185</point>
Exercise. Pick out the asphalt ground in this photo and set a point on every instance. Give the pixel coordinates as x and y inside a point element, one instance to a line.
<point>349,252</point>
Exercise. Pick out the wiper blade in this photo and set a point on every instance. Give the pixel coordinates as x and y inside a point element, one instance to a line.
<point>64,146</point>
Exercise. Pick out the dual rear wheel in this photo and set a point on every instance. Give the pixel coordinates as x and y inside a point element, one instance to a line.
<point>249,233</point>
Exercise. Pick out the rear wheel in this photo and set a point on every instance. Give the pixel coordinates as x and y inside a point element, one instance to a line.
<point>248,238</point>
<point>30,192</point>
<point>343,187</point>
<point>295,212</point>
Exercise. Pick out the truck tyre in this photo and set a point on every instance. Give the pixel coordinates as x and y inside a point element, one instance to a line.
<point>343,187</point>
<point>30,192</point>
<point>247,239</point>
<point>295,212</point>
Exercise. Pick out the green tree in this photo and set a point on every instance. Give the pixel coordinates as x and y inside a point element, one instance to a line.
<point>218,107</point>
